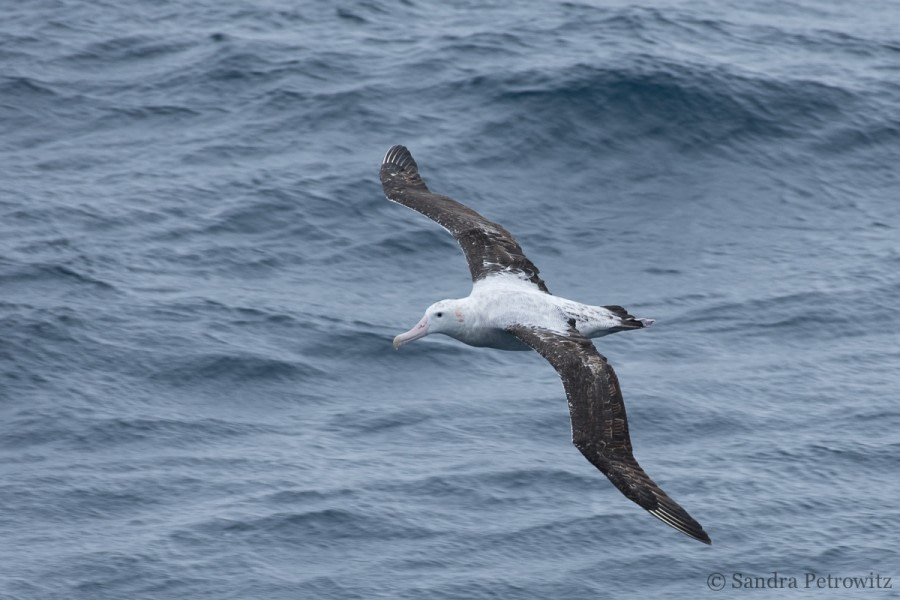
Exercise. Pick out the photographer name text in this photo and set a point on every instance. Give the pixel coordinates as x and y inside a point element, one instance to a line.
<point>808,581</point>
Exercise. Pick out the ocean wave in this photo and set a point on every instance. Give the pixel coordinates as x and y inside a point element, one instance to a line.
<point>61,428</point>
<point>324,527</point>
<point>692,107</point>
<point>107,53</point>
<point>234,367</point>
<point>810,314</point>
<point>50,274</point>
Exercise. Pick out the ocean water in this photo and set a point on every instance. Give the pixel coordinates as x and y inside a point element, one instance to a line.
<point>200,280</point>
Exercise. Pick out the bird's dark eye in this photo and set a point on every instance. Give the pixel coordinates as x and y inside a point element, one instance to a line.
<point>439,315</point>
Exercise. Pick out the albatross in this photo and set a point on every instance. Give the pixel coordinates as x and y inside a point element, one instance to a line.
<point>510,308</point>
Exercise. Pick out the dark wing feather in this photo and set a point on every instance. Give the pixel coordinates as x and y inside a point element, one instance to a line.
<point>489,248</point>
<point>599,426</point>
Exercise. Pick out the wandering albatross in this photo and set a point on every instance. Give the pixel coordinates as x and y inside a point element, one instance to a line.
<point>510,308</point>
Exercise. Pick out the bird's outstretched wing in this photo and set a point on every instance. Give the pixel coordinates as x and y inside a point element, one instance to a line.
<point>599,426</point>
<point>489,248</point>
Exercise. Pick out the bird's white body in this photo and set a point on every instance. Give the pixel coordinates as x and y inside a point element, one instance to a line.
<point>503,300</point>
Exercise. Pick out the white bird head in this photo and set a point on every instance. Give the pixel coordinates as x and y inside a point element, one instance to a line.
<point>441,317</point>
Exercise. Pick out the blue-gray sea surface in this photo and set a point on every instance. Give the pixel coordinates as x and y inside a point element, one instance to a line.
<point>200,279</point>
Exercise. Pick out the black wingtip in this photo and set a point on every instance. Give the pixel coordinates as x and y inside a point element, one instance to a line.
<point>682,522</point>
<point>400,157</point>
<point>700,536</point>
<point>399,172</point>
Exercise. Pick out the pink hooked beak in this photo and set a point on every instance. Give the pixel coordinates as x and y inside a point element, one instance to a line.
<point>420,330</point>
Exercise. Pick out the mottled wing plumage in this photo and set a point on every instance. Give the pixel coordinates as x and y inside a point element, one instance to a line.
<point>599,426</point>
<point>489,248</point>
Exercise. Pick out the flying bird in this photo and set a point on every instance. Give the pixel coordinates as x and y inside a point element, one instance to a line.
<point>510,308</point>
